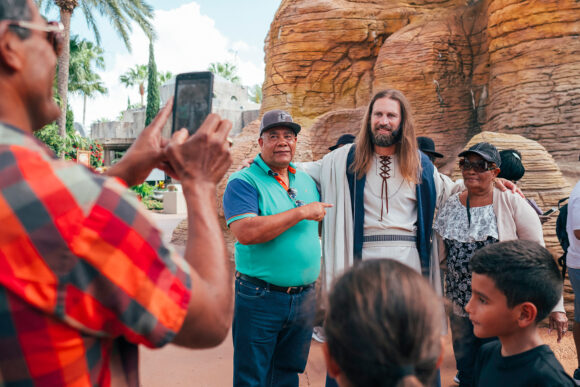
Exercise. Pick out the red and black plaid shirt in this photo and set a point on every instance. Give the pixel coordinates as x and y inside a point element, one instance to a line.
<point>84,274</point>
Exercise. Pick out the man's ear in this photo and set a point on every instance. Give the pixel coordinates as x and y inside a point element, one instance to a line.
<point>495,172</point>
<point>260,142</point>
<point>331,366</point>
<point>527,313</point>
<point>10,51</point>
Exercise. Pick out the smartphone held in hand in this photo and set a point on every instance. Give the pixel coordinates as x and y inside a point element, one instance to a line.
<point>192,102</point>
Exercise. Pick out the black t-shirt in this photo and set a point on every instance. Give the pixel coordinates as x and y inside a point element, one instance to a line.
<point>536,367</point>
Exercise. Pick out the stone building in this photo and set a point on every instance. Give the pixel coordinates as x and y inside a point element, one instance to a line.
<point>230,101</point>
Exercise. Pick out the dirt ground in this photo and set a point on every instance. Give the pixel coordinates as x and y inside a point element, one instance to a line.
<point>174,366</point>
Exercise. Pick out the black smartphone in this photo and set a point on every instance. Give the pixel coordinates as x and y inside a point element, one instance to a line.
<point>550,211</point>
<point>192,101</point>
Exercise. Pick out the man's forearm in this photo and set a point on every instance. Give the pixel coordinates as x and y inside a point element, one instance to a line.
<point>211,306</point>
<point>261,229</point>
<point>205,249</point>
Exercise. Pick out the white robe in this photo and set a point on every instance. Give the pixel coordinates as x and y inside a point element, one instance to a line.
<point>337,227</point>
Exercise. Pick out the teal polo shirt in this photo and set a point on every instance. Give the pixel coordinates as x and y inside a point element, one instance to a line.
<point>293,257</point>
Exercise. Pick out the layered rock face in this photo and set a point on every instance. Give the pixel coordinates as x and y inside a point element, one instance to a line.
<point>320,54</point>
<point>504,66</point>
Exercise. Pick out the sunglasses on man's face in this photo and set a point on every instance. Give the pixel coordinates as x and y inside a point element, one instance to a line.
<point>478,166</point>
<point>54,32</point>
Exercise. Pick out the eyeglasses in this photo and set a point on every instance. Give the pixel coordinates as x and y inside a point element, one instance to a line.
<point>478,166</point>
<point>292,193</point>
<point>54,32</point>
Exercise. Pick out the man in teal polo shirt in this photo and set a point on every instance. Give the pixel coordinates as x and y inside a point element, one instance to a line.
<point>273,211</point>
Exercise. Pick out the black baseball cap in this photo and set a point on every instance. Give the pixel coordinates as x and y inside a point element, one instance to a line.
<point>487,151</point>
<point>342,140</point>
<point>275,118</point>
<point>427,145</point>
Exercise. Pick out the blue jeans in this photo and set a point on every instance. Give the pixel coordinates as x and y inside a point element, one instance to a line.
<point>271,333</point>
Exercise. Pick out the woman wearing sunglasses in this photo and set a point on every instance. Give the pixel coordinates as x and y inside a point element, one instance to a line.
<point>479,216</point>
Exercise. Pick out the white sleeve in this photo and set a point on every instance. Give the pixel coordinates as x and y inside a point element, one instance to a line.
<point>559,306</point>
<point>445,187</point>
<point>573,220</point>
<point>312,168</point>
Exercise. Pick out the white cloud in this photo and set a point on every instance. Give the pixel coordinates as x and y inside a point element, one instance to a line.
<point>242,46</point>
<point>186,41</point>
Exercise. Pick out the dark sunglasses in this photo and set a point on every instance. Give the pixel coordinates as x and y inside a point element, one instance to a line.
<point>292,193</point>
<point>478,166</point>
<point>54,32</point>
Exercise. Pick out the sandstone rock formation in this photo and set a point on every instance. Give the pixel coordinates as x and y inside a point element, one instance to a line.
<point>503,66</point>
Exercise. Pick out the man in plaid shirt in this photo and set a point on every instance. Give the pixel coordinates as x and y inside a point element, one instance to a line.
<point>84,274</point>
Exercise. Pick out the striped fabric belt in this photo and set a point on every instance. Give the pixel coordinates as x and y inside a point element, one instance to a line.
<point>389,238</point>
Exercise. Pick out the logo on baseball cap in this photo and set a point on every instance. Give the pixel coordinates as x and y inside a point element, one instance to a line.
<point>275,118</point>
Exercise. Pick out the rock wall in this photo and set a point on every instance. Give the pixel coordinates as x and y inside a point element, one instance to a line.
<point>320,54</point>
<point>507,66</point>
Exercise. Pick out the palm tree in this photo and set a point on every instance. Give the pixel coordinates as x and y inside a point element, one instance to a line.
<point>119,12</point>
<point>135,76</point>
<point>255,93</point>
<point>163,77</point>
<point>82,79</point>
<point>227,70</point>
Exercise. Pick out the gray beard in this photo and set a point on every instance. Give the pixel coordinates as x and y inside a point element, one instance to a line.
<point>386,140</point>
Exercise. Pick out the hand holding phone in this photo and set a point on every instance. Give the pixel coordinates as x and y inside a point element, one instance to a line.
<point>192,102</point>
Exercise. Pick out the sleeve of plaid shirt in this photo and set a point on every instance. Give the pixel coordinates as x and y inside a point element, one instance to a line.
<point>82,248</point>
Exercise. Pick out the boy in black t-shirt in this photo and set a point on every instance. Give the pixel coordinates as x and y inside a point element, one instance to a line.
<point>514,286</point>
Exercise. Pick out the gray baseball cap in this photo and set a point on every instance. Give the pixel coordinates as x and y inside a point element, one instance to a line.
<point>275,118</point>
<point>487,152</point>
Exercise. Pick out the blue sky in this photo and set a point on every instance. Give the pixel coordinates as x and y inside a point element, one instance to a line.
<point>191,34</point>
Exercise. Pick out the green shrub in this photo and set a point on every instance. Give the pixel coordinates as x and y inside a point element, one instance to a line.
<point>153,204</point>
<point>144,190</point>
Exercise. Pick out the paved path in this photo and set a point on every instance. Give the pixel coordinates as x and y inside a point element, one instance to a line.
<point>174,366</point>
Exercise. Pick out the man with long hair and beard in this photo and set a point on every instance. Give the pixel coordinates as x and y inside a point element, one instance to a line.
<point>384,192</point>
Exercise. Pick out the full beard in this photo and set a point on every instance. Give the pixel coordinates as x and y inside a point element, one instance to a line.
<point>385,140</point>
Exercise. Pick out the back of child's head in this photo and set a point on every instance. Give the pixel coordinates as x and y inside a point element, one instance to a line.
<point>383,326</point>
<point>511,165</point>
<point>523,271</point>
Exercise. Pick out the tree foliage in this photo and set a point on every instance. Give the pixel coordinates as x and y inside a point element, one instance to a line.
<point>152,88</point>
<point>83,80</point>
<point>255,93</point>
<point>138,75</point>
<point>227,70</point>
<point>135,76</point>
<point>120,13</point>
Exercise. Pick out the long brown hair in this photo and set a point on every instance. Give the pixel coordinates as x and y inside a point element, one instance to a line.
<point>383,326</point>
<point>407,149</point>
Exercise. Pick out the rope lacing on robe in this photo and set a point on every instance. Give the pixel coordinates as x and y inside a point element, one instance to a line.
<point>385,174</point>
